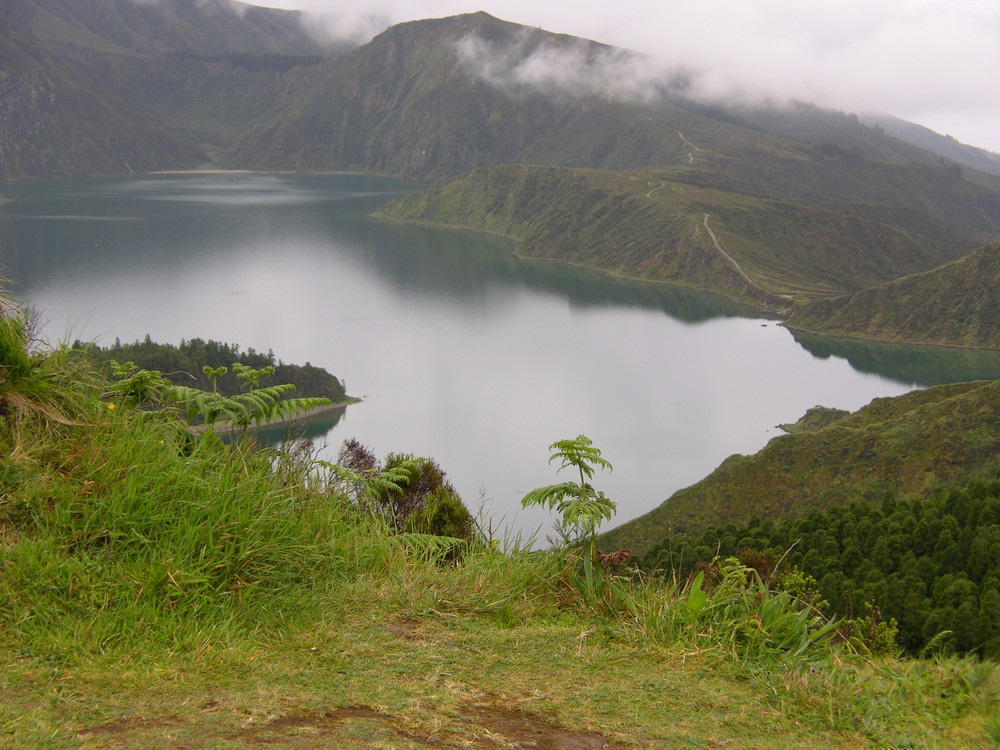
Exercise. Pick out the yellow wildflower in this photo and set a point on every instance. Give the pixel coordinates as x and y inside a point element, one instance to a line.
<point>111,407</point>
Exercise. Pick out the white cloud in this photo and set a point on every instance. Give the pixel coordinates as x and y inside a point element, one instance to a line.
<point>931,61</point>
<point>579,67</point>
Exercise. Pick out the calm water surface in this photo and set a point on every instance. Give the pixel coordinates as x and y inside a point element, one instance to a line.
<point>459,350</point>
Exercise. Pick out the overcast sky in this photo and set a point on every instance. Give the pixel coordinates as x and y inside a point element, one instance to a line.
<point>935,62</point>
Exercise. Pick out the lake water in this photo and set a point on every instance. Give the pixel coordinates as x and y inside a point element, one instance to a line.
<point>459,350</point>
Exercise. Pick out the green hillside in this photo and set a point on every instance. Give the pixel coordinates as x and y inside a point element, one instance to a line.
<point>59,119</point>
<point>909,445</point>
<point>932,566</point>
<point>654,225</point>
<point>112,87</point>
<point>957,304</point>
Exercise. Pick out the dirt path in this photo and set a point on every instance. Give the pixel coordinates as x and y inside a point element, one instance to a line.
<point>727,256</point>
<point>736,265</point>
<point>690,145</point>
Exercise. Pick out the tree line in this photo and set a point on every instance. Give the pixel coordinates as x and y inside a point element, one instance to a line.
<point>931,565</point>
<point>184,364</point>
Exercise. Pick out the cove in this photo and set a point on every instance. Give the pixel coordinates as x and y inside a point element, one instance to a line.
<point>459,350</point>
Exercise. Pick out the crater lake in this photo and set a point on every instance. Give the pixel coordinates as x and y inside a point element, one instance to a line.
<point>458,349</point>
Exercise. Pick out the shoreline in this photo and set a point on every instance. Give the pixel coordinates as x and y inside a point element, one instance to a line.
<point>204,171</point>
<point>228,428</point>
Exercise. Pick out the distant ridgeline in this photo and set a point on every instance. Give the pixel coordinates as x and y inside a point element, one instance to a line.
<point>932,565</point>
<point>183,365</point>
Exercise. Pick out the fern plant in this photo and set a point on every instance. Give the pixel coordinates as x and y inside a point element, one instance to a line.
<point>582,507</point>
<point>242,410</point>
<point>137,387</point>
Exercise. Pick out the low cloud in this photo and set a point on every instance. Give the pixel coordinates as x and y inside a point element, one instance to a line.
<point>931,61</point>
<point>232,6</point>
<point>348,26</point>
<point>577,67</point>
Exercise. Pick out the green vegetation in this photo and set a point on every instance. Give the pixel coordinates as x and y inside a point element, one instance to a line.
<point>185,364</point>
<point>654,225</point>
<point>582,507</point>
<point>910,445</point>
<point>957,304</point>
<point>815,418</point>
<point>159,588</point>
<point>932,566</point>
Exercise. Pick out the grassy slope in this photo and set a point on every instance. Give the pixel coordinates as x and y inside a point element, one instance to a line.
<point>911,445</point>
<point>957,304</point>
<point>651,225</point>
<point>155,592</point>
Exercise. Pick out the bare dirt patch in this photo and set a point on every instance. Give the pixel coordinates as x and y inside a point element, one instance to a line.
<point>124,732</point>
<point>406,629</point>
<point>484,724</point>
<point>509,727</point>
<point>353,726</point>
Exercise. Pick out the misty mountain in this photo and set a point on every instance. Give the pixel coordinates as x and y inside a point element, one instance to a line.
<point>407,103</point>
<point>943,145</point>
<point>435,98</point>
<point>216,27</point>
<point>806,201</point>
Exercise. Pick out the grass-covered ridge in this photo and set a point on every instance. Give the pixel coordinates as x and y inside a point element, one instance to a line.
<point>957,304</point>
<point>654,225</point>
<point>159,588</point>
<point>910,445</point>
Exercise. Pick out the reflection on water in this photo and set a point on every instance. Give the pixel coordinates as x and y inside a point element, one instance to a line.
<point>922,365</point>
<point>308,428</point>
<point>465,262</point>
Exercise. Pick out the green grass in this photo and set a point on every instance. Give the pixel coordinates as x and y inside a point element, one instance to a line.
<point>160,590</point>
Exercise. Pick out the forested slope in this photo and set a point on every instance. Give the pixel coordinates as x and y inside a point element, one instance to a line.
<point>908,445</point>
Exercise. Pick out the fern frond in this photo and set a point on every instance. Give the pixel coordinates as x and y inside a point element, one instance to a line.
<point>579,453</point>
<point>210,407</point>
<point>292,407</point>
<point>373,487</point>
<point>553,496</point>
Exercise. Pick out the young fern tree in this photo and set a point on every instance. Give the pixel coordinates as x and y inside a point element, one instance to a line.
<point>580,505</point>
<point>256,405</point>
